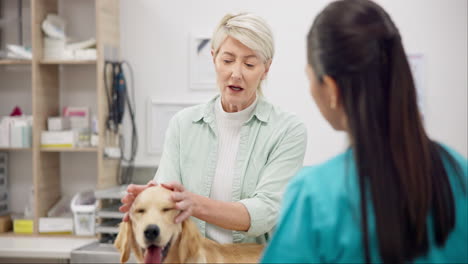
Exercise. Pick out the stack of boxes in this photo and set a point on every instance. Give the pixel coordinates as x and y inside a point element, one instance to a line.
<point>16,131</point>
<point>71,130</point>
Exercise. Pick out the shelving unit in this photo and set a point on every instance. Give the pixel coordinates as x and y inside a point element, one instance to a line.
<point>71,62</point>
<point>46,86</point>
<point>87,149</point>
<point>15,62</point>
<point>108,216</point>
<point>15,149</point>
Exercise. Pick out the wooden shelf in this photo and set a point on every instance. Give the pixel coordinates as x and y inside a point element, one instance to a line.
<point>14,62</point>
<point>110,214</point>
<point>67,62</point>
<point>15,149</point>
<point>88,149</point>
<point>12,234</point>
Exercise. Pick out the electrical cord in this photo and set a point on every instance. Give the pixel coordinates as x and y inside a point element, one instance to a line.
<point>117,96</point>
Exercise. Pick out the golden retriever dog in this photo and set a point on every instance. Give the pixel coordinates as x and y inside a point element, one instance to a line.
<point>153,237</point>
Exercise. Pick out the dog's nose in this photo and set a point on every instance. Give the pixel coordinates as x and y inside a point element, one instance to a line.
<point>151,232</point>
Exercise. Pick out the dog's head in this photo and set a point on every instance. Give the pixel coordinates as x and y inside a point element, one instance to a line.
<point>151,230</point>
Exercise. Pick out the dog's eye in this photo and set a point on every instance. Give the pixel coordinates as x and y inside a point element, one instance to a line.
<point>140,211</point>
<point>166,209</point>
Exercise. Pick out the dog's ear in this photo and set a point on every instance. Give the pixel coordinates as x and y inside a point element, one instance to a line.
<point>190,240</point>
<point>125,243</point>
<point>122,242</point>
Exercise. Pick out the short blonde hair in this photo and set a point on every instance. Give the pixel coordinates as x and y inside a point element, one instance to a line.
<point>250,30</point>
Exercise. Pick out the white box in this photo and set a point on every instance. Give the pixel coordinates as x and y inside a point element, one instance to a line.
<point>58,123</point>
<point>5,124</point>
<point>20,132</point>
<point>55,225</point>
<point>27,137</point>
<point>79,117</point>
<point>58,139</point>
<point>84,213</point>
<point>16,135</point>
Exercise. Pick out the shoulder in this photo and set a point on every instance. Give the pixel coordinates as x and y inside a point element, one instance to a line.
<point>191,112</point>
<point>458,158</point>
<point>279,114</point>
<point>456,166</point>
<point>278,118</point>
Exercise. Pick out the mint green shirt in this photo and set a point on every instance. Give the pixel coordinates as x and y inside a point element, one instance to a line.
<point>271,150</point>
<point>320,218</point>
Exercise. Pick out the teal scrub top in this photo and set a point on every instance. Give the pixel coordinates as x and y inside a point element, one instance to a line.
<point>320,218</point>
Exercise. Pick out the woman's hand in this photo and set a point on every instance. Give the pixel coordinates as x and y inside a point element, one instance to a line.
<point>185,201</point>
<point>132,192</point>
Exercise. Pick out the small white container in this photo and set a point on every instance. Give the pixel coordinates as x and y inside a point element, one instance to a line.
<point>83,206</point>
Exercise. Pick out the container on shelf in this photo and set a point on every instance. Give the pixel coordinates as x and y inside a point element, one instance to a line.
<point>83,206</point>
<point>23,226</point>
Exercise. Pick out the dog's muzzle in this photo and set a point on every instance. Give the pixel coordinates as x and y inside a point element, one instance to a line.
<point>155,253</point>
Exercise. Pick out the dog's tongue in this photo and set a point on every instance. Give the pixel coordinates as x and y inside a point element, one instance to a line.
<point>153,255</point>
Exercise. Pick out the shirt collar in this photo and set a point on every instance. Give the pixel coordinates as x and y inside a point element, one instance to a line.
<point>261,112</point>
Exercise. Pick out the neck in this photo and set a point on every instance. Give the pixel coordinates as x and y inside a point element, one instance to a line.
<point>232,108</point>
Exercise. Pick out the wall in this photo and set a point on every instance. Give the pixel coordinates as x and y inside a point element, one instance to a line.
<point>154,39</point>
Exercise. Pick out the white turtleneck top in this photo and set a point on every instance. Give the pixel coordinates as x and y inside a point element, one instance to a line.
<point>229,126</point>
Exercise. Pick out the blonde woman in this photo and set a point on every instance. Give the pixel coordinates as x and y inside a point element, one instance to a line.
<point>229,159</point>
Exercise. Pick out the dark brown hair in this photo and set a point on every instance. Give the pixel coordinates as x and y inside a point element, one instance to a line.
<point>356,43</point>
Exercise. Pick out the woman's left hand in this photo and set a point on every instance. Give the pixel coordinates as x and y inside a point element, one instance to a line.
<point>185,201</point>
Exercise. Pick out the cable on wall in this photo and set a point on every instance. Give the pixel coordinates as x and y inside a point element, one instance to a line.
<point>118,99</point>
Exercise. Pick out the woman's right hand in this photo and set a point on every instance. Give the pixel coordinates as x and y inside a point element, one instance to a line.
<point>132,192</point>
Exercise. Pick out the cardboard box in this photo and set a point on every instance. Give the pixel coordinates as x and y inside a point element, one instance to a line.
<point>5,224</point>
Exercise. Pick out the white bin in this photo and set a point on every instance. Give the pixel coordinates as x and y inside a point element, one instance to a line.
<point>83,206</point>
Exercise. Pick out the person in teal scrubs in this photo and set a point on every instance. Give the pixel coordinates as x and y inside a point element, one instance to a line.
<point>395,195</point>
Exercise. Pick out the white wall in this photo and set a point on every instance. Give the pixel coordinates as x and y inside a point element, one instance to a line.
<point>154,39</point>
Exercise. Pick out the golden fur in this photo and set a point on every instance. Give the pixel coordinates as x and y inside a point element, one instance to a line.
<point>154,207</point>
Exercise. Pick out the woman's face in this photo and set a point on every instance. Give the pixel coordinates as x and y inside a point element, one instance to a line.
<point>239,71</point>
<point>326,96</point>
